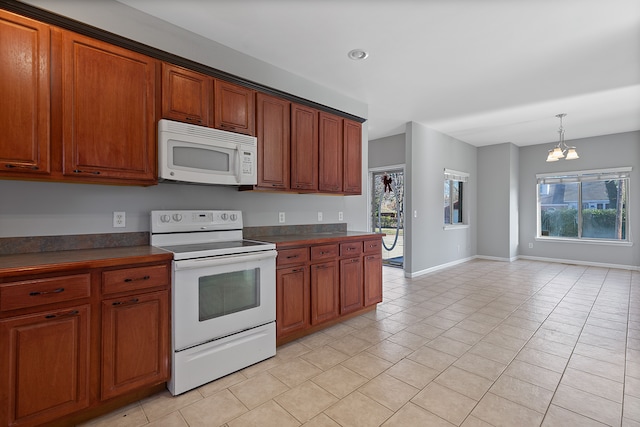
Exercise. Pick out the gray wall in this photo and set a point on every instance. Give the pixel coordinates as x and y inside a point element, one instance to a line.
<point>498,201</point>
<point>389,151</point>
<point>41,208</point>
<point>427,244</point>
<point>601,152</point>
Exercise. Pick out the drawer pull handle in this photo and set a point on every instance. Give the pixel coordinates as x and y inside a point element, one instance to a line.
<point>10,166</point>
<point>355,260</point>
<point>194,119</point>
<point>321,267</point>
<point>89,172</point>
<point>371,257</point>
<point>55,291</point>
<point>67,314</point>
<point>139,278</point>
<point>292,256</point>
<point>298,270</point>
<point>351,249</point>
<point>131,301</point>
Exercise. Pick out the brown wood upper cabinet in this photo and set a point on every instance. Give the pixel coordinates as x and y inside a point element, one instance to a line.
<point>192,97</point>
<point>273,132</point>
<point>25,100</point>
<point>234,108</point>
<point>304,148</point>
<point>352,157</point>
<point>108,111</point>
<point>186,95</point>
<point>330,153</point>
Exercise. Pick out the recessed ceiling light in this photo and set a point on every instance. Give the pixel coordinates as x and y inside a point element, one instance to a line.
<point>358,54</point>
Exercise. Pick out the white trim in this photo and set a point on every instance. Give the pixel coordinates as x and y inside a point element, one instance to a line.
<point>456,175</point>
<point>575,262</point>
<point>437,267</point>
<point>584,175</point>
<point>494,258</point>
<point>386,168</point>
<point>455,226</point>
<point>603,242</point>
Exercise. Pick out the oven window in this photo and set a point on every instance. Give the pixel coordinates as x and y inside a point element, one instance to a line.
<point>199,158</point>
<point>227,293</point>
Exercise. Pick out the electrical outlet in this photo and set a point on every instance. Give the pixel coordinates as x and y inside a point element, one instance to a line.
<point>340,216</point>
<point>530,245</point>
<point>119,219</point>
<point>281,217</point>
<point>319,216</point>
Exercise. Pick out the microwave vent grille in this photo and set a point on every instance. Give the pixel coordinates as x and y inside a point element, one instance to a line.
<point>204,132</point>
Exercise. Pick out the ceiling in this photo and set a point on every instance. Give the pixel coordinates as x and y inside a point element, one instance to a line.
<point>482,71</point>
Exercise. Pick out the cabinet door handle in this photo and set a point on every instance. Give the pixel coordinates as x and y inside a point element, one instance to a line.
<point>55,291</point>
<point>371,257</point>
<point>89,172</point>
<point>59,315</point>
<point>131,301</point>
<point>138,278</point>
<point>10,166</point>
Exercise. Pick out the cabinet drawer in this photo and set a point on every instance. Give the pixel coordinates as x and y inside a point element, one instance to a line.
<point>129,279</point>
<point>372,246</point>
<point>324,252</point>
<point>352,248</point>
<point>292,256</point>
<point>36,292</point>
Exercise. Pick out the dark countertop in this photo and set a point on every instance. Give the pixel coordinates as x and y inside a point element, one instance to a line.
<point>46,262</point>
<point>285,240</point>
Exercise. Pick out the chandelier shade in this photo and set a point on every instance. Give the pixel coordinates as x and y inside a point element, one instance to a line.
<point>562,150</point>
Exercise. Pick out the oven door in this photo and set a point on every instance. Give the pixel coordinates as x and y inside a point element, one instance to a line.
<point>219,296</point>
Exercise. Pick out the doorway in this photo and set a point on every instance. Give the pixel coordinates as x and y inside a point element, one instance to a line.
<point>387,212</point>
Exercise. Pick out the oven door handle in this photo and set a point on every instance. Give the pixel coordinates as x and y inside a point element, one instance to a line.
<point>223,260</point>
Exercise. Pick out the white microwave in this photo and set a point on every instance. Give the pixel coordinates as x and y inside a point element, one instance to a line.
<point>202,155</point>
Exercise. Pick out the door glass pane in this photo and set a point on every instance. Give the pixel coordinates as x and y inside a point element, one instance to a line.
<point>228,293</point>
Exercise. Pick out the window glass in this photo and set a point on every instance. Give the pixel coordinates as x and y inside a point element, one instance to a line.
<point>453,197</point>
<point>587,205</point>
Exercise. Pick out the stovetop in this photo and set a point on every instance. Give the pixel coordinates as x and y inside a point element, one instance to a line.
<point>193,234</point>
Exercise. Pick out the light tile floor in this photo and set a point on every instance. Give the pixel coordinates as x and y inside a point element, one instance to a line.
<point>482,343</point>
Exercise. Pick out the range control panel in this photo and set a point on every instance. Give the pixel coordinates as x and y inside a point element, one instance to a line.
<point>192,220</point>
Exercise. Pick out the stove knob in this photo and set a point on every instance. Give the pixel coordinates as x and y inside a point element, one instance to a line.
<point>224,216</point>
<point>234,217</point>
<point>165,218</point>
<point>177,217</point>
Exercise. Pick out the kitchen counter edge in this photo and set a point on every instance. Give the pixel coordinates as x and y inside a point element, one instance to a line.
<point>291,240</point>
<point>46,262</point>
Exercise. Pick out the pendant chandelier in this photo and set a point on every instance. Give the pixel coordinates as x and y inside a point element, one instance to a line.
<point>562,150</point>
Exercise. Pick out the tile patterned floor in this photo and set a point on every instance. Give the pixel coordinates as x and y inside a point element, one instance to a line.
<point>483,343</point>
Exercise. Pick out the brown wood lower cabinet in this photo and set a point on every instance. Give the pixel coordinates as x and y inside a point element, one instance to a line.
<point>82,338</point>
<point>135,331</point>
<point>44,365</point>
<point>320,283</point>
<point>325,302</point>
<point>292,294</point>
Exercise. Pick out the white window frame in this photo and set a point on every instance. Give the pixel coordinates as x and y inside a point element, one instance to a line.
<point>581,176</point>
<point>454,175</point>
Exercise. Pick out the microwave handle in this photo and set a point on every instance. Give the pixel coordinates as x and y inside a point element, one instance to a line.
<point>223,260</point>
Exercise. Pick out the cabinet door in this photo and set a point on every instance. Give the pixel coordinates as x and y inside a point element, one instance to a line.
<point>372,279</point>
<point>234,108</point>
<point>350,285</point>
<point>325,298</point>
<point>273,142</point>
<point>330,154</point>
<point>304,148</point>
<point>352,157</point>
<point>25,89</point>
<point>44,366</point>
<point>186,95</point>
<point>135,342</point>
<point>108,112</point>
<point>292,297</point>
